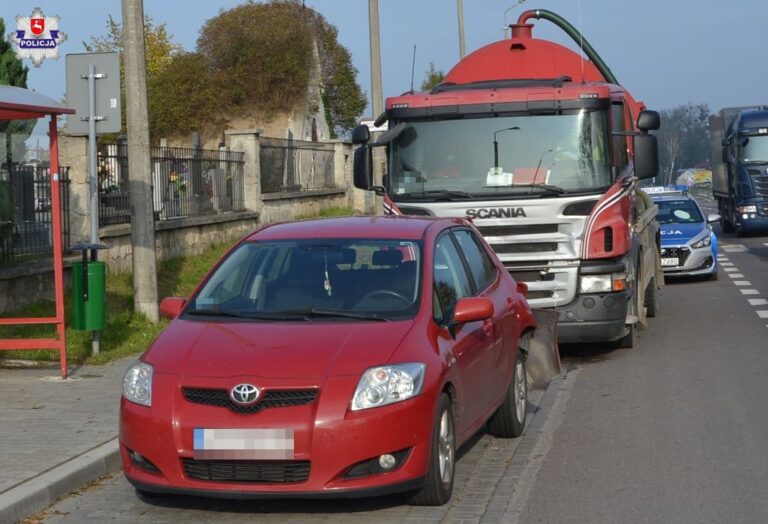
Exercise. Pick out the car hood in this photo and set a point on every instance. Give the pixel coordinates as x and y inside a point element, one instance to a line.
<point>679,234</point>
<point>272,349</point>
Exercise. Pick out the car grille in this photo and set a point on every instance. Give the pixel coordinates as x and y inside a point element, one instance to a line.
<point>262,472</point>
<point>274,398</point>
<point>681,253</point>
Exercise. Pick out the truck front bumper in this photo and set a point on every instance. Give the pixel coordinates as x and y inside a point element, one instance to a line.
<point>594,317</point>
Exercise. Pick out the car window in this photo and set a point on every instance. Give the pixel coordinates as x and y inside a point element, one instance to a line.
<point>682,211</point>
<point>481,266</point>
<point>451,281</point>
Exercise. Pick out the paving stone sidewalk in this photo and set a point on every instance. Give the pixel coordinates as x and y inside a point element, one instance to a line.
<point>46,421</point>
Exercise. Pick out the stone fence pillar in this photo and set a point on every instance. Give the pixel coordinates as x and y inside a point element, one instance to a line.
<point>73,153</point>
<point>247,142</point>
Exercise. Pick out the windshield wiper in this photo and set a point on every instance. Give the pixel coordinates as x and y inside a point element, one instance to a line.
<point>545,188</point>
<point>436,193</point>
<point>339,313</point>
<point>219,312</point>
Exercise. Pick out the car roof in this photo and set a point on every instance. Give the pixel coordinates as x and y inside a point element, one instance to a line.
<point>678,196</point>
<point>388,226</point>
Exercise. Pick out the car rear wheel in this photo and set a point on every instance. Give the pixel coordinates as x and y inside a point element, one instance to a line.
<point>509,419</point>
<point>438,485</point>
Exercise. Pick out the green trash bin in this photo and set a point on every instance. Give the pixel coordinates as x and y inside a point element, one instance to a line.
<point>90,314</point>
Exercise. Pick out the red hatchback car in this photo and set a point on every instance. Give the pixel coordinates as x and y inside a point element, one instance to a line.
<point>340,357</point>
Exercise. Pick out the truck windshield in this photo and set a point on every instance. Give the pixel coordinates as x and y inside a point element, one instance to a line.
<point>542,155</point>
<point>756,150</point>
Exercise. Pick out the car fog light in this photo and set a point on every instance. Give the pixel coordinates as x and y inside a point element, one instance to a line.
<point>387,461</point>
<point>745,216</point>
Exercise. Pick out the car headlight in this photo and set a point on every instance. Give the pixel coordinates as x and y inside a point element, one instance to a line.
<point>747,209</point>
<point>602,283</point>
<point>384,385</point>
<point>704,241</point>
<point>137,383</point>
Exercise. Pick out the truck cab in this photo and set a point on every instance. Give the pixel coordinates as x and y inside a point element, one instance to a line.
<point>536,146</point>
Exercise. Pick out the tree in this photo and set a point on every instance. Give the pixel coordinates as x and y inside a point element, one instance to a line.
<point>159,51</point>
<point>433,78</point>
<point>683,137</point>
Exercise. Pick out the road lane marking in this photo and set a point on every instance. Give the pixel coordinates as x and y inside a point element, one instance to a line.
<point>750,292</point>
<point>729,269</point>
<point>742,282</point>
<point>734,249</point>
<point>757,302</point>
<point>735,275</point>
<point>726,264</point>
<point>762,314</point>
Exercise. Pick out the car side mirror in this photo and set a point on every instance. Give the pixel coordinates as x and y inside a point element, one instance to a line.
<point>362,168</point>
<point>471,309</point>
<point>648,120</point>
<point>712,218</point>
<point>170,307</point>
<point>646,156</point>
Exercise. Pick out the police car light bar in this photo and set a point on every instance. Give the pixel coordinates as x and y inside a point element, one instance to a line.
<point>665,190</point>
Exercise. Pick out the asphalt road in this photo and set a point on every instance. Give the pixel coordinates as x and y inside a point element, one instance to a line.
<point>675,430</point>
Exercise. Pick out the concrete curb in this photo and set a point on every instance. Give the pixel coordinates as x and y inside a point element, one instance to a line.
<point>41,491</point>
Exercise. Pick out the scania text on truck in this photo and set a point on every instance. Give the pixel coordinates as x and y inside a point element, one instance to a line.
<point>738,145</point>
<point>542,148</point>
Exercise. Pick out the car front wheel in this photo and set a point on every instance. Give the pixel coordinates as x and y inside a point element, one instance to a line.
<point>438,485</point>
<point>509,419</point>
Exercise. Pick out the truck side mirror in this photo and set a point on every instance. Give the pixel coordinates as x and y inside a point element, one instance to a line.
<point>646,156</point>
<point>362,167</point>
<point>361,134</point>
<point>648,120</point>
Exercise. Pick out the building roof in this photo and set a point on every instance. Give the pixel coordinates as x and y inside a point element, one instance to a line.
<point>20,103</point>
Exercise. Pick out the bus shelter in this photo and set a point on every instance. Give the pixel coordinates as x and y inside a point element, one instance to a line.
<point>21,104</point>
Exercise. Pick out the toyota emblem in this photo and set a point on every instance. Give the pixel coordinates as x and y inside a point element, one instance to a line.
<point>244,394</point>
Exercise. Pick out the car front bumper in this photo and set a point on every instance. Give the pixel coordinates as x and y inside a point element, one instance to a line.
<point>694,262</point>
<point>329,440</point>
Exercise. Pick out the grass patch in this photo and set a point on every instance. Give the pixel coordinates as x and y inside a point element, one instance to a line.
<point>329,213</point>
<point>127,332</point>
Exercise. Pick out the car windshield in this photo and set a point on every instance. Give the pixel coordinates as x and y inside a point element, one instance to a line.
<point>515,156</point>
<point>683,211</point>
<point>314,279</point>
<point>755,150</point>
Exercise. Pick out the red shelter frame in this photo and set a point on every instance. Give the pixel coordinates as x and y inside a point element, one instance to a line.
<point>16,104</point>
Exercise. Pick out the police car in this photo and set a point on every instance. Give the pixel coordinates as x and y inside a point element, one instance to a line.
<point>688,245</point>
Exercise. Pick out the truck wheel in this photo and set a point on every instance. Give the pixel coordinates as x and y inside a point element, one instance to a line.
<point>509,419</point>
<point>726,225</point>
<point>651,297</point>
<point>438,485</point>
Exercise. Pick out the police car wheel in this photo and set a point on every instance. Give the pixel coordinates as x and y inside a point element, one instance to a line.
<point>712,276</point>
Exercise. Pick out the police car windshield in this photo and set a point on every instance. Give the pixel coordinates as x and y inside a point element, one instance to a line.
<point>682,211</point>
<point>514,156</point>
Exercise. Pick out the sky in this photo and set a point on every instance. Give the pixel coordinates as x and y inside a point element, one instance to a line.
<point>666,52</point>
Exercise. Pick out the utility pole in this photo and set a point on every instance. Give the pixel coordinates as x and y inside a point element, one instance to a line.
<point>139,169</point>
<point>377,104</point>
<point>460,9</point>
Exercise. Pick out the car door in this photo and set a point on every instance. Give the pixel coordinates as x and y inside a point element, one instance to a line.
<point>498,359</point>
<point>470,342</point>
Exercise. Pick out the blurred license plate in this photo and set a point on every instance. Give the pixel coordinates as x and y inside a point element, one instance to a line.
<point>243,444</point>
<point>670,261</point>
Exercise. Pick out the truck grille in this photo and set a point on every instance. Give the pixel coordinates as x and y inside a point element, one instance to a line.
<point>258,472</point>
<point>759,182</point>
<point>532,229</point>
<point>525,247</point>
<point>275,398</point>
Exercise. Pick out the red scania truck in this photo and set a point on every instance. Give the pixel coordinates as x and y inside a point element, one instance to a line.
<point>542,148</point>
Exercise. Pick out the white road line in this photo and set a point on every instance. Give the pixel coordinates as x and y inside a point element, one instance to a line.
<point>742,282</point>
<point>729,269</point>
<point>726,264</point>
<point>735,275</point>
<point>757,302</point>
<point>749,292</point>
<point>765,243</point>
<point>762,314</point>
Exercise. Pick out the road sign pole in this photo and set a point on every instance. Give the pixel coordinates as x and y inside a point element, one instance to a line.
<point>93,175</point>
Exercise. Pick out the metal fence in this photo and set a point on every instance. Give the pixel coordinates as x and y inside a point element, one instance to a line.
<point>185,182</point>
<point>26,221</point>
<point>294,165</point>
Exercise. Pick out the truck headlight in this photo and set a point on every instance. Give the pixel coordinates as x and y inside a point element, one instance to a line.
<point>602,283</point>
<point>384,385</point>
<point>747,209</point>
<point>704,241</point>
<point>137,383</point>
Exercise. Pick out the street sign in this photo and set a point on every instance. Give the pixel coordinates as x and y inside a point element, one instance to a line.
<point>107,92</point>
